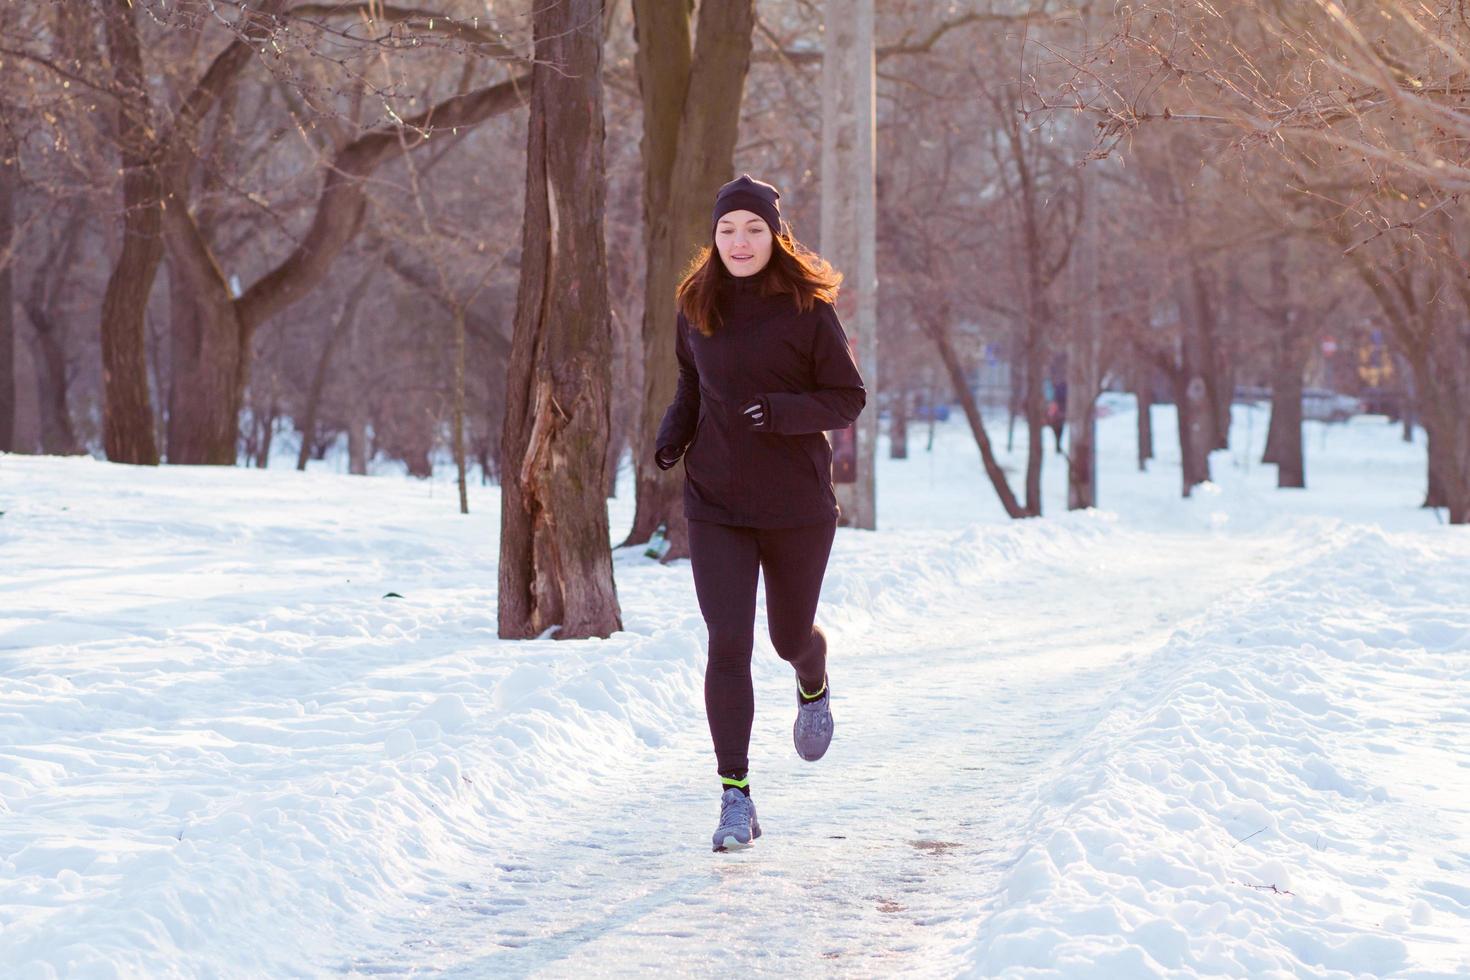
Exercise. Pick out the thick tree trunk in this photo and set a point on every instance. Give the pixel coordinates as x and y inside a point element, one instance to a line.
<point>203,422</point>
<point>9,172</point>
<point>1286,416</point>
<point>849,209</point>
<point>127,426</point>
<point>691,115</point>
<point>937,332</point>
<point>1196,426</point>
<point>1290,339</point>
<point>555,560</point>
<point>1441,384</point>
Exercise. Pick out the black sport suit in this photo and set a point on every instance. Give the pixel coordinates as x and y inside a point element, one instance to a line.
<point>759,498</point>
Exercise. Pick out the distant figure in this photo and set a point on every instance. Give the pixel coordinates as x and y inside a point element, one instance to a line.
<point>1056,410</point>
<point>765,371</point>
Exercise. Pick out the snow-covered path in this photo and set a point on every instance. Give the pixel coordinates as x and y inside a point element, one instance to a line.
<point>872,859</point>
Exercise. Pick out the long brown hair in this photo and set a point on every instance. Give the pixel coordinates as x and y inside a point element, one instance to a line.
<point>793,270</point>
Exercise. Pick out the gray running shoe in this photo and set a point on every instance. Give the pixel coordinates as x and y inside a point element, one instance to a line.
<point>813,729</point>
<point>738,825</point>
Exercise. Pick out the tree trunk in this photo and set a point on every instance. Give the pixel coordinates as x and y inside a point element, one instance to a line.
<point>357,444</point>
<point>1192,398</point>
<point>1286,416</point>
<point>555,563</point>
<point>1085,366</point>
<point>849,210</point>
<point>1143,392</point>
<point>9,173</point>
<point>203,421</point>
<point>345,318</point>
<point>127,425</point>
<point>691,116</point>
<point>1441,384</point>
<point>267,422</point>
<point>1290,335</point>
<point>1035,413</point>
<point>1408,405</point>
<point>458,425</point>
<point>57,435</point>
<point>937,332</point>
<point>1081,453</point>
<point>898,431</point>
<point>1016,402</point>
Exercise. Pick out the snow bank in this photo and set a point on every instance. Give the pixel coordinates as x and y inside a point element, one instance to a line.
<point>1284,791</point>
<point>225,749</point>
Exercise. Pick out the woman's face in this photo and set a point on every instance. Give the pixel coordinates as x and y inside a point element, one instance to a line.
<point>744,242</point>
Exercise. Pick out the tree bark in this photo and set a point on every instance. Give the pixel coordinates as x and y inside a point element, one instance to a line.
<point>849,210</point>
<point>1287,450</point>
<point>203,425</point>
<point>1085,364</point>
<point>1192,397</point>
<point>555,562</point>
<point>1035,412</point>
<point>1290,337</point>
<point>1143,392</point>
<point>127,426</point>
<point>9,173</point>
<point>691,116</point>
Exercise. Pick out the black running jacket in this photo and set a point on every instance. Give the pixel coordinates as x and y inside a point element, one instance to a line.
<point>801,367</point>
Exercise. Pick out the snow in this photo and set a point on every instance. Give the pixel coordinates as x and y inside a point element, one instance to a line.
<point>1169,737</point>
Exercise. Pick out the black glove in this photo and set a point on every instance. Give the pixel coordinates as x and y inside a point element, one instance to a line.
<point>667,456</point>
<point>758,414</point>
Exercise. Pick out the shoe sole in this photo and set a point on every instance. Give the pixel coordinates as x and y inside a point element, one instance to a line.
<point>733,843</point>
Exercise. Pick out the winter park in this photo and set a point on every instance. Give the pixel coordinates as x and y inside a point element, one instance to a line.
<point>856,488</point>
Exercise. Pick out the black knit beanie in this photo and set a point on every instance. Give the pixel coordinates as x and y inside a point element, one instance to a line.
<point>745,193</point>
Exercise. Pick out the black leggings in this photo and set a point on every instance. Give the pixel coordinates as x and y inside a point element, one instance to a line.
<point>726,560</point>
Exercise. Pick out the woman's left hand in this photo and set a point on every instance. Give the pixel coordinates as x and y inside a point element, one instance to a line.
<point>758,413</point>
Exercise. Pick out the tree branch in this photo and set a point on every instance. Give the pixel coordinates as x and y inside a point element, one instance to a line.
<point>429,21</point>
<point>343,198</point>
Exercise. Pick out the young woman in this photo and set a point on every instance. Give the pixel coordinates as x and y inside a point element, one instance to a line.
<point>764,371</point>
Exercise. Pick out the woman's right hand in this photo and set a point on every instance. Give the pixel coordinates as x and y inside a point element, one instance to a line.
<point>667,456</point>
